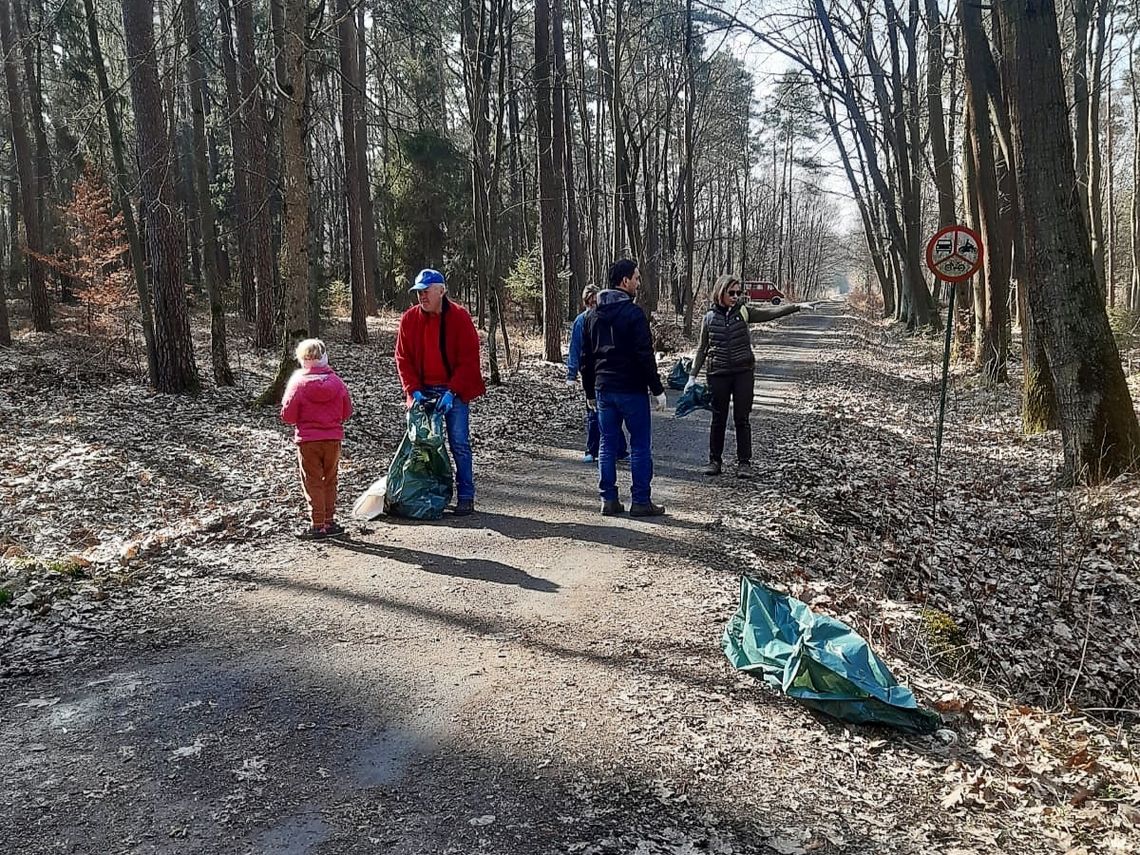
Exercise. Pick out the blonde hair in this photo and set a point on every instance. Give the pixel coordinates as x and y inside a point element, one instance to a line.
<point>311,349</point>
<point>721,286</point>
<point>588,292</point>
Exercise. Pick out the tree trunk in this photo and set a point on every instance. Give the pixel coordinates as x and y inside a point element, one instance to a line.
<point>122,194</point>
<point>45,185</point>
<point>1099,429</point>
<point>242,214</point>
<point>173,345</point>
<point>565,157</point>
<point>29,183</point>
<point>1133,75</point>
<point>293,81</point>
<point>993,342</point>
<point>1096,160</point>
<point>688,229</point>
<point>258,182</point>
<point>943,168</point>
<point>352,179</point>
<point>207,221</point>
<point>550,203</point>
<point>367,211</point>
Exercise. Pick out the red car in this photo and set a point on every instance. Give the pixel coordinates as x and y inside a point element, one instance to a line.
<point>764,292</point>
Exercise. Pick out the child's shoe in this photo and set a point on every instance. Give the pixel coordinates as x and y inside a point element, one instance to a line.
<point>332,529</point>
<point>312,532</point>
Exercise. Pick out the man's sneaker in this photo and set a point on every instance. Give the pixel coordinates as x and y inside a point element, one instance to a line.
<point>647,509</point>
<point>313,532</point>
<point>612,507</point>
<point>744,470</point>
<point>713,468</point>
<point>589,458</point>
<point>333,529</point>
<point>464,508</point>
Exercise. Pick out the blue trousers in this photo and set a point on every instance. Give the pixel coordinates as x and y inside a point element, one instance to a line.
<point>459,440</point>
<point>614,409</point>
<point>594,437</point>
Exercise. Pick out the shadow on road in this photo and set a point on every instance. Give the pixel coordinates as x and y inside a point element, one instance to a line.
<point>463,568</point>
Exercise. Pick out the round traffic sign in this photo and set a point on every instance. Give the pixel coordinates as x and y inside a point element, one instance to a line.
<point>955,253</point>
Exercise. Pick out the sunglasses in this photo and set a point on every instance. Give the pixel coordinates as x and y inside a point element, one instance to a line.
<point>736,293</point>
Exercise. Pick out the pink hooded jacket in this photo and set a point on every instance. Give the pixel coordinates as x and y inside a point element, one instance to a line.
<point>316,403</point>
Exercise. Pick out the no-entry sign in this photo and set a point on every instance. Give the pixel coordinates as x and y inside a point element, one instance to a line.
<point>954,254</point>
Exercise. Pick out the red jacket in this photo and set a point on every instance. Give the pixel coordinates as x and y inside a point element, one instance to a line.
<point>460,350</point>
<point>316,403</point>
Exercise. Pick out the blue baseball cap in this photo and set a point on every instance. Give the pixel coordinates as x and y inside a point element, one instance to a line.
<point>426,278</point>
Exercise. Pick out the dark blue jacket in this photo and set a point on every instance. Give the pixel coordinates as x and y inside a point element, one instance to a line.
<point>617,348</point>
<point>574,354</point>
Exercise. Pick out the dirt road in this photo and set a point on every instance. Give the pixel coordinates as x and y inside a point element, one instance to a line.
<point>533,679</point>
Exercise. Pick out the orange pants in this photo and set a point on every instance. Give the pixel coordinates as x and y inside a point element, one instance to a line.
<point>319,460</point>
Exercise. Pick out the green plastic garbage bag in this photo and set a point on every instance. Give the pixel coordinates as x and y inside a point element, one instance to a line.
<point>419,480</point>
<point>697,398</point>
<point>817,660</point>
<point>679,376</point>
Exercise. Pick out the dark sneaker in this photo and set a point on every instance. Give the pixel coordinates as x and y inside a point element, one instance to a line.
<point>332,529</point>
<point>311,533</point>
<point>646,510</point>
<point>612,507</point>
<point>464,508</point>
<point>744,470</point>
<point>713,468</point>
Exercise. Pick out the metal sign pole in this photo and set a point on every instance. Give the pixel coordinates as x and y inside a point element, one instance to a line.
<point>942,401</point>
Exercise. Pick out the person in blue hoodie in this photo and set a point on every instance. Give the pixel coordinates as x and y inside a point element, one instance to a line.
<point>619,376</point>
<point>573,362</point>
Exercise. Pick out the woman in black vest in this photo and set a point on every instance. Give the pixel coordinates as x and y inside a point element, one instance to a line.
<point>726,343</point>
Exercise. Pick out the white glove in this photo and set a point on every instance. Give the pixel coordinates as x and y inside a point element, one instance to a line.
<point>692,382</point>
<point>806,307</point>
<point>659,401</point>
<point>591,404</point>
<point>573,384</point>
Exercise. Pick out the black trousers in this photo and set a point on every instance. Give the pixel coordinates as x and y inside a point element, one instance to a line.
<point>739,388</point>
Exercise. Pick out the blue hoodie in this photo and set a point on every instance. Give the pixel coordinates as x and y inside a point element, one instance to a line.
<point>617,348</point>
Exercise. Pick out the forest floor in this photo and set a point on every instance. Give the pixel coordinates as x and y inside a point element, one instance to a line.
<point>178,675</point>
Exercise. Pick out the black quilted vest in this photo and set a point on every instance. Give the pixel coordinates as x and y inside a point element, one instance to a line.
<point>730,345</point>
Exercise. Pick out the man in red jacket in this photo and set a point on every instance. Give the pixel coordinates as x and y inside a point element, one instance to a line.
<point>437,355</point>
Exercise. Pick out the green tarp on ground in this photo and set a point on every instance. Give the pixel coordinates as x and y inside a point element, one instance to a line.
<point>817,660</point>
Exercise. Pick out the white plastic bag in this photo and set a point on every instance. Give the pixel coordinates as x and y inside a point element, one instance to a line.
<point>371,503</point>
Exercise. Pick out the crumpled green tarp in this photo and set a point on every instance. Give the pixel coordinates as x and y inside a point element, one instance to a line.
<point>817,660</point>
<point>419,480</point>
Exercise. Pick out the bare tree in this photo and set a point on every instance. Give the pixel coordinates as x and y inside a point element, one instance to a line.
<point>173,346</point>
<point>1099,429</point>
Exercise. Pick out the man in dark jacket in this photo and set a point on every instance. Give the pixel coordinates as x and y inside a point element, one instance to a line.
<point>619,374</point>
<point>437,355</point>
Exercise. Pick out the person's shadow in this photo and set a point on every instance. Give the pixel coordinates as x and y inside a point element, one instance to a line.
<point>462,568</point>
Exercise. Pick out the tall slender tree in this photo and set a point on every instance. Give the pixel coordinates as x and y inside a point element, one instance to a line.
<point>207,217</point>
<point>29,180</point>
<point>173,346</point>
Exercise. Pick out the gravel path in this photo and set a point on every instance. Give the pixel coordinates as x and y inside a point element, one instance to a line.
<point>533,679</point>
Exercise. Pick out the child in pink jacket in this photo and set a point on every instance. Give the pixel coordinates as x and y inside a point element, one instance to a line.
<point>317,404</point>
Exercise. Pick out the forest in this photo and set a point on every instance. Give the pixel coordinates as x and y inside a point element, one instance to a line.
<point>259,168</point>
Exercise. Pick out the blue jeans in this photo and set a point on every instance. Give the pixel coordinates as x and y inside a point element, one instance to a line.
<point>614,408</point>
<point>459,439</point>
<point>594,436</point>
